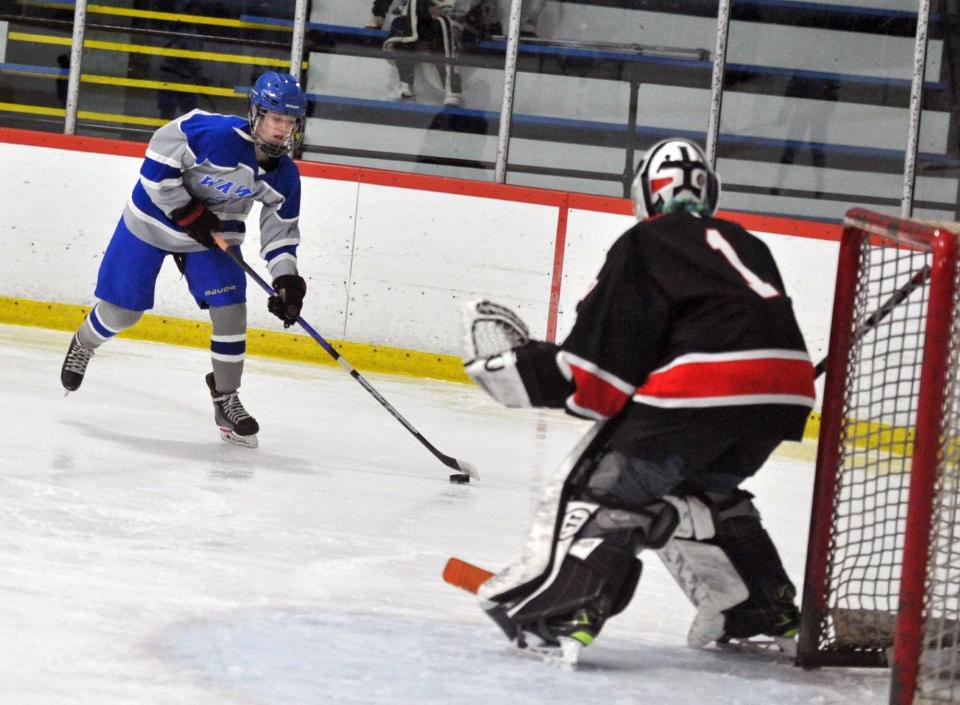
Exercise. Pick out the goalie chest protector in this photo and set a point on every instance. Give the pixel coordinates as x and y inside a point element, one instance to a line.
<point>689,312</point>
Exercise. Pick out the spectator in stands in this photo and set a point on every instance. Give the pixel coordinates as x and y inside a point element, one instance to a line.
<point>481,20</point>
<point>63,61</point>
<point>488,16</point>
<point>808,125</point>
<point>419,25</point>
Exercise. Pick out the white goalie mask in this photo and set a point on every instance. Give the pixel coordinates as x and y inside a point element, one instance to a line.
<point>674,175</point>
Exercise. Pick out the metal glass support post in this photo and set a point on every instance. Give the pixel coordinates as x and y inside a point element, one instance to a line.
<point>716,81</point>
<point>916,104</point>
<point>509,85</point>
<point>76,56</point>
<point>629,168</point>
<point>296,44</point>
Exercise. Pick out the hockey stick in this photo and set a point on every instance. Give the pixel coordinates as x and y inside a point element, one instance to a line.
<point>465,576</point>
<point>466,470</point>
<point>897,298</point>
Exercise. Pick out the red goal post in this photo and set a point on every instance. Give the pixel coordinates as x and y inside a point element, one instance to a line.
<point>882,584</point>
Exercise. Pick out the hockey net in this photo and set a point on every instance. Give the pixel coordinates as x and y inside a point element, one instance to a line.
<point>882,585</point>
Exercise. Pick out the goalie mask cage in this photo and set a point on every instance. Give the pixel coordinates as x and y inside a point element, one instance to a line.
<point>882,584</point>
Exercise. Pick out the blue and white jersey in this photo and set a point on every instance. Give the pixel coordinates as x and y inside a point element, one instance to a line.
<point>211,158</point>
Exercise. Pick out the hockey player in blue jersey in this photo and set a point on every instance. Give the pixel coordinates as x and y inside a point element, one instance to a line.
<point>201,174</point>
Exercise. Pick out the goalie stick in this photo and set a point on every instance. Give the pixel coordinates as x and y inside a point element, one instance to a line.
<point>465,576</point>
<point>466,470</point>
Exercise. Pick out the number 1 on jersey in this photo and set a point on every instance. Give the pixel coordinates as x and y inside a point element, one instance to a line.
<point>719,243</point>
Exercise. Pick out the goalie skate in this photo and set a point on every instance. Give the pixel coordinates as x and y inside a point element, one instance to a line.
<point>564,655</point>
<point>780,647</point>
<point>562,650</point>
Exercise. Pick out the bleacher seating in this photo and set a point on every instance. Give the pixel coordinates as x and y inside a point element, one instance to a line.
<point>797,135</point>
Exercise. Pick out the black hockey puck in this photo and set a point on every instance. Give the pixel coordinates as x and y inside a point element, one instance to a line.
<point>459,478</point>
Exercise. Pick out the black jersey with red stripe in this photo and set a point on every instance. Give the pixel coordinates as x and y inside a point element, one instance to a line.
<point>687,312</point>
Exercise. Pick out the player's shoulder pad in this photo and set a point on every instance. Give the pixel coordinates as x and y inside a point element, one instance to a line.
<point>222,139</point>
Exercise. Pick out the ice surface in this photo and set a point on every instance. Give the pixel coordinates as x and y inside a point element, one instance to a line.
<point>143,561</point>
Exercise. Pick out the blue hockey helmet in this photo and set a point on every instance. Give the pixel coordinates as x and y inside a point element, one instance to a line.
<point>674,175</point>
<point>277,93</point>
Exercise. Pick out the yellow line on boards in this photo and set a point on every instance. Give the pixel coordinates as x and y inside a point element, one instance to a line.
<point>264,343</point>
<point>32,109</point>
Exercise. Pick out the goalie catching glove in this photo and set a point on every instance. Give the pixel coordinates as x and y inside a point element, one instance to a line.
<point>502,359</point>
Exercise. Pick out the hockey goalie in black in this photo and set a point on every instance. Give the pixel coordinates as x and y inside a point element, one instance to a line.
<point>687,353</point>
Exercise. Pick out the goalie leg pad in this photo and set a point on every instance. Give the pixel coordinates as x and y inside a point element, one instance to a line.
<point>734,578</point>
<point>596,580</point>
<point>771,608</point>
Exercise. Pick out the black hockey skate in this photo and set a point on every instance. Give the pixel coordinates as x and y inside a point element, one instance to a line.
<point>778,635</point>
<point>236,425</point>
<point>555,640</point>
<point>75,365</point>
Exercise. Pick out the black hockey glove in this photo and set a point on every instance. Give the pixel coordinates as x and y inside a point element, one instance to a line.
<point>286,305</point>
<point>198,222</point>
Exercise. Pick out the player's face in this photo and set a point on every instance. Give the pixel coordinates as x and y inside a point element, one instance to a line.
<point>276,128</point>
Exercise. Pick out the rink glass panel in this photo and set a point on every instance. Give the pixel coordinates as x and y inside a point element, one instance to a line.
<point>149,63</point>
<point>34,55</point>
<point>814,133</point>
<point>802,133</point>
<point>599,84</point>
<point>356,117</point>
